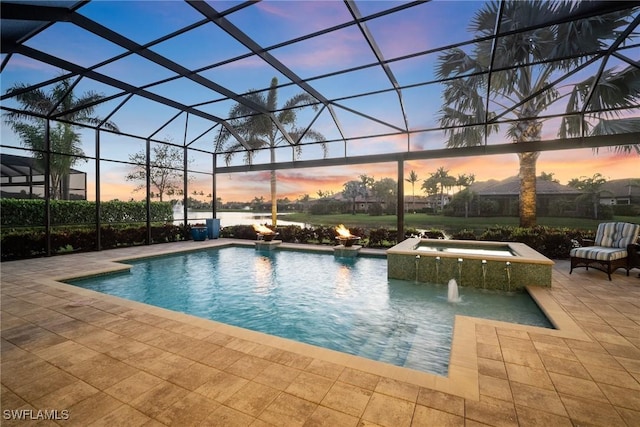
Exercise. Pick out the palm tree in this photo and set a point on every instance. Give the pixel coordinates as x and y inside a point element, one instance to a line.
<point>261,131</point>
<point>351,191</point>
<point>367,186</point>
<point>413,178</point>
<point>591,189</point>
<point>385,191</point>
<point>443,180</point>
<point>304,200</point>
<point>463,182</point>
<point>64,141</point>
<point>528,89</point>
<point>430,188</point>
<point>544,176</point>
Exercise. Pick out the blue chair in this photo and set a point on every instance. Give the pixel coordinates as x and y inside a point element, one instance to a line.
<point>609,250</point>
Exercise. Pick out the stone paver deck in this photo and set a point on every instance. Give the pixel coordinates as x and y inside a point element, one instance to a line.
<point>90,359</point>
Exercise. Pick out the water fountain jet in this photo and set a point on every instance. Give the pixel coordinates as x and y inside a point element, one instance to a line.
<point>452,294</point>
<point>484,274</point>
<point>508,270</point>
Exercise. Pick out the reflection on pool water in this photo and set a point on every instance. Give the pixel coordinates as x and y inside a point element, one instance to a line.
<point>346,304</point>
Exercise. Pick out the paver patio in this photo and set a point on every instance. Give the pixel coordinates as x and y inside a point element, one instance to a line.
<point>100,360</point>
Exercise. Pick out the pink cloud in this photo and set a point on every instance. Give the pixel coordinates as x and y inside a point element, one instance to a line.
<point>20,62</point>
<point>336,50</point>
<point>325,14</point>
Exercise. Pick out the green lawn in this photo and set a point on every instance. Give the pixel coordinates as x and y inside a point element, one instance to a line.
<point>425,221</point>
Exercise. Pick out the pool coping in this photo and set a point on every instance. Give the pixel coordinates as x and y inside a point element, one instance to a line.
<point>462,378</point>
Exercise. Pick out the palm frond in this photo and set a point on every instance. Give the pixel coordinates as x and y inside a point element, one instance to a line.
<point>31,136</point>
<point>484,21</point>
<point>463,109</point>
<point>572,125</point>
<point>36,101</point>
<point>260,130</point>
<point>617,126</point>
<point>588,34</point>
<point>455,62</point>
<point>60,101</point>
<point>615,89</point>
<point>231,150</point>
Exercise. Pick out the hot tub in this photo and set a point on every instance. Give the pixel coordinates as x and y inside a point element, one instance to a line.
<point>491,265</point>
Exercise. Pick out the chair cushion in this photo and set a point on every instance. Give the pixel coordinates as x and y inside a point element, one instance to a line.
<point>599,253</point>
<point>616,234</point>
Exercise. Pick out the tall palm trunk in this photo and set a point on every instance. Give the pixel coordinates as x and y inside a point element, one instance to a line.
<point>527,205</point>
<point>413,196</point>
<point>528,131</point>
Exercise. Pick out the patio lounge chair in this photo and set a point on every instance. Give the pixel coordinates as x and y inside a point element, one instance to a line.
<point>609,250</point>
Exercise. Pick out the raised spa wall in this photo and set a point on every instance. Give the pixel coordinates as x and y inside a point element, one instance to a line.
<point>527,267</point>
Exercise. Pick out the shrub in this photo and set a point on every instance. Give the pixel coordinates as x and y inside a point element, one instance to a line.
<point>30,212</point>
<point>433,234</point>
<point>306,235</point>
<point>605,212</point>
<point>464,235</point>
<point>551,242</point>
<point>325,235</point>
<point>498,233</point>
<point>380,237</point>
<point>29,243</point>
<point>289,233</point>
<point>239,232</point>
<point>626,210</point>
<point>20,245</point>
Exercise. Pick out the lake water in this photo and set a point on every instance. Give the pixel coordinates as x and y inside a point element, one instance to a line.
<point>236,218</point>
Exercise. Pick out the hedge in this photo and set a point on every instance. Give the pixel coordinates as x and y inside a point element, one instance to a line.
<point>30,212</point>
<point>20,244</point>
<point>552,242</point>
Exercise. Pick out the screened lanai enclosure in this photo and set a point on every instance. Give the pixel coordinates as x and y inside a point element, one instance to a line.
<point>165,101</point>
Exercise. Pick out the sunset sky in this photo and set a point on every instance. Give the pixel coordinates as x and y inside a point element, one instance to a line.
<point>565,165</point>
<point>295,183</point>
<point>270,23</point>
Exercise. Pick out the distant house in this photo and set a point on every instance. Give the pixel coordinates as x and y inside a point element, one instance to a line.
<point>417,203</point>
<point>361,204</point>
<point>621,192</point>
<point>437,202</point>
<point>422,203</point>
<point>550,195</point>
<point>23,178</point>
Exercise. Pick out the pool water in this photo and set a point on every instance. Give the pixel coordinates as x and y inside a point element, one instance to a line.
<point>344,304</point>
<point>465,251</point>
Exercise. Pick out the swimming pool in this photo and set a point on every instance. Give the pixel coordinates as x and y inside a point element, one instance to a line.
<point>344,304</point>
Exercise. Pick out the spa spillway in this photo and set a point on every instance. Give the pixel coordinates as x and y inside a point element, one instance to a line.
<point>505,266</point>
